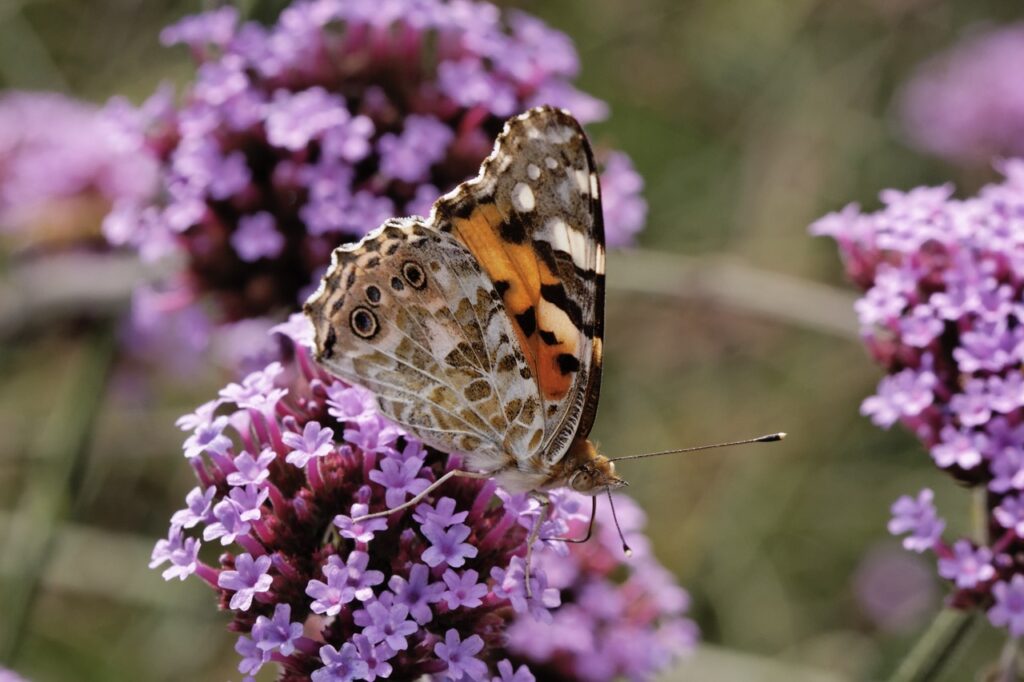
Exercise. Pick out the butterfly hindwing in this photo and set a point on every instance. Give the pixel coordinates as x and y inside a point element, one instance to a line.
<point>532,219</point>
<point>408,313</point>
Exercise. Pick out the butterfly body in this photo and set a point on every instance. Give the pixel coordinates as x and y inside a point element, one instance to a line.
<point>479,328</point>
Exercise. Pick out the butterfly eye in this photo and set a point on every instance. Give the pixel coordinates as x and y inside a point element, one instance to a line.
<point>373,294</point>
<point>414,275</point>
<point>363,323</point>
<point>580,480</point>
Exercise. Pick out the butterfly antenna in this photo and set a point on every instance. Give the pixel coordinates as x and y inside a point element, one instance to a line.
<point>615,517</point>
<point>769,438</point>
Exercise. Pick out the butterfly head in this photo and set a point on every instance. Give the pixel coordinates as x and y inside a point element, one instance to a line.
<point>591,473</point>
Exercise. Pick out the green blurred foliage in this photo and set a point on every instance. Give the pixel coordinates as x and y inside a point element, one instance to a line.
<point>748,119</point>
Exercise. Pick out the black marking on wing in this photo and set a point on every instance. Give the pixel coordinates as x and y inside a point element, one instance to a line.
<point>330,339</point>
<point>514,229</point>
<point>555,294</point>
<point>527,321</point>
<point>548,337</point>
<point>567,362</point>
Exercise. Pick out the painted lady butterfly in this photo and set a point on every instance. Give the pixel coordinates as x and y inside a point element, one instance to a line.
<point>479,328</point>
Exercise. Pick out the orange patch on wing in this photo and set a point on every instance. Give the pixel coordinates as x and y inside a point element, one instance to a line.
<point>518,266</point>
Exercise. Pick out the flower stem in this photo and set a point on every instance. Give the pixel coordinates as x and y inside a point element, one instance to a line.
<point>937,646</point>
<point>54,471</point>
<point>1009,663</point>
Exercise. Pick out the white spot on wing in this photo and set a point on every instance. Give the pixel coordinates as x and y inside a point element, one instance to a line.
<point>578,247</point>
<point>522,198</point>
<point>532,171</point>
<point>595,190</point>
<point>551,163</point>
<point>583,181</point>
<point>557,233</point>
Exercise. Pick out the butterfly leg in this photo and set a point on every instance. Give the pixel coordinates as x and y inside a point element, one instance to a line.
<point>590,526</point>
<point>545,506</point>
<point>419,498</point>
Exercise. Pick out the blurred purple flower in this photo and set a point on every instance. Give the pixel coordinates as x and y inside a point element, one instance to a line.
<point>967,566</point>
<point>1008,610</point>
<point>307,133</point>
<point>605,602</point>
<point>967,105</point>
<point>943,280</point>
<point>918,518</point>
<point>62,167</point>
<point>416,593</point>
<point>896,591</point>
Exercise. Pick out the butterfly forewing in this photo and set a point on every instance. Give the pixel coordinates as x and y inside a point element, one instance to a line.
<point>533,220</point>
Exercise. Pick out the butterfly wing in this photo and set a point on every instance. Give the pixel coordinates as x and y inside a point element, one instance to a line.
<point>532,219</point>
<point>409,314</point>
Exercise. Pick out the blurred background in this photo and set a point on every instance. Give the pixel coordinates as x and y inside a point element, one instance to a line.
<point>747,119</point>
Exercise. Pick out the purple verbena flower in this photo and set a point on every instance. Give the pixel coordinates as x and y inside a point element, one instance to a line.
<point>315,441</point>
<point>299,135</point>
<point>208,437</point>
<point>181,551</point>
<point>463,590</point>
<point>447,546</point>
<point>442,516</point>
<point>363,531</point>
<point>386,622</point>
<point>399,478</point>
<point>376,657</point>
<point>199,506</point>
<point>340,665</point>
<point>460,655</point>
<point>967,566</point>
<point>247,580</point>
<point>345,582</point>
<point>967,105</point>
<point>1008,610</point>
<point>329,598</point>
<point>919,518</point>
<point>278,632</point>
<point>417,592</point>
<point>253,657</point>
<point>943,279</point>
<point>62,167</point>
<point>251,469</point>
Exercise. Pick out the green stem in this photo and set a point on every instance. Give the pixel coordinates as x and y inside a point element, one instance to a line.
<point>948,632</point>
<point>54,473</point>
<point>1009,668</point>
<point>936,647</point>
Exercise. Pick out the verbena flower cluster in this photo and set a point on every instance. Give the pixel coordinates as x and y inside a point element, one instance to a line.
<point>61,169</point>
<point>286,460</point>
<point>967,105</point>
<point>943,313</point>
<point>308,133</point>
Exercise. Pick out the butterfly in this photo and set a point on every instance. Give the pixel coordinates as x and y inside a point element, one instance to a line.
<point>479,328</point>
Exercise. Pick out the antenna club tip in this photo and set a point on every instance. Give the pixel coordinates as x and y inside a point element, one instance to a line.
<point>627,550</point>
<point>773,437</point>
